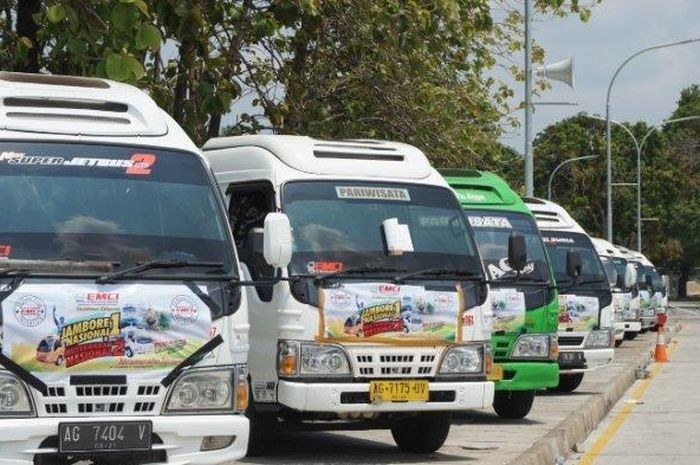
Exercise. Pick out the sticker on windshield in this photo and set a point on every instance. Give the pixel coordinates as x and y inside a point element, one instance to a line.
<point>372,193</point>
<point>324,267</point>
<point>578,312</point>
<point>508,307</point>
<point>388,312</point>
<point>5,250</point>
<point>138,164</point>
<point>551,240</point>
<point>57,330</point>
<point>495,222</point>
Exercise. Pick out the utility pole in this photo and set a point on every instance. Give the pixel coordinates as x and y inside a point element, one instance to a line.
<point>529,165</point>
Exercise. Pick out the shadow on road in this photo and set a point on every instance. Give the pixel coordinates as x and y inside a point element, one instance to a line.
<point>332,448</point>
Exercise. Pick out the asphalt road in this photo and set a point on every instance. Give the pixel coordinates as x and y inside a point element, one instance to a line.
<point>476,436</point>
<point>657,421</point>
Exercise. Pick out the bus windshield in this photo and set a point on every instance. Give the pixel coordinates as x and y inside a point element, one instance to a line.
<point>492,230</point>
<point>592,274</point>
<point>119,204</point>
<point>338,225</point>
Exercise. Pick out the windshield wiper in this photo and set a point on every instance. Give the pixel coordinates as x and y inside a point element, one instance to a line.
<point>193,359</point>
<point>433,272</point>
<point>354,270</point>
<point>154,264</point>
<point>576,283</point>
<point>520,278</point>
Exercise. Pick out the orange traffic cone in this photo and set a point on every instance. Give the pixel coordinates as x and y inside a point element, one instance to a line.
<point>660,352</point>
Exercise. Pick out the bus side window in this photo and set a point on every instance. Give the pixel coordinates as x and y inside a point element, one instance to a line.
<point>249,205</point>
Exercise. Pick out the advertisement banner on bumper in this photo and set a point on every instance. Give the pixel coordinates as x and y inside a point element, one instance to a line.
<point>56,330</point>
<point>578,312</point>
<point>389,312</point>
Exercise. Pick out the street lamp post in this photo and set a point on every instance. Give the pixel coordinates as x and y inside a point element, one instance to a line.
<point>560,165</point>
<point>608,126</point>
<point>528,158</point>
<point>639,147</point>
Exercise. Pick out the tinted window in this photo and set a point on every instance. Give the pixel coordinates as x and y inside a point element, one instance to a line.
<point>112,203</point>
<point>341,223</point>
<point>592,273</point>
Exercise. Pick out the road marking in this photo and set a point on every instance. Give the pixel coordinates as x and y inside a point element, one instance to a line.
<point>606,436</point>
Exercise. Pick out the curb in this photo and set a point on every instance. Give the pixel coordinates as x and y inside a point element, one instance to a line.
<point>575,428</point>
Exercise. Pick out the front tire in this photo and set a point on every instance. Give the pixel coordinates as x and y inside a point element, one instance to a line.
<point>422,433</point>
<point>618,342</point>
<point>513,405</point>
<point>568,383</point>
<point>631,335</point>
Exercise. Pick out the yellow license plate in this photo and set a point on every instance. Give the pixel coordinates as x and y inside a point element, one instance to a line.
<point>398,391</point>
<point>496,372</point>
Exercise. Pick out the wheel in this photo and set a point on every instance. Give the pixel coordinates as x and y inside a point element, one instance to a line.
<point>513,404</point>
<point>631,335</point>
<point>129,352</point>
<point>263,428</point>
<point>643,330</point>
<point>422,433</point>
<point>618,342</point>
<point>568,383</point>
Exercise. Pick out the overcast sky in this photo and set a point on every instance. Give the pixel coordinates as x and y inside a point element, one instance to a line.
<point>647,88</point>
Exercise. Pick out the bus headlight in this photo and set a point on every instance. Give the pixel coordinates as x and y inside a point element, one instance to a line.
<point>295,358</point>
<point>209,390</point>
<point>463,359</point>
<point>14,396</point>
<point>600,338</point>
<point>323,360</point>
<point>532,346</point>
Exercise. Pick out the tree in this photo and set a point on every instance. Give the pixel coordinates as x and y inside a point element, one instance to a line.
<point>413,71</point>
<point>683,219</point>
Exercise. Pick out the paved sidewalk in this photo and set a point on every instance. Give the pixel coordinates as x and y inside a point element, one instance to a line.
<point>658,420</point>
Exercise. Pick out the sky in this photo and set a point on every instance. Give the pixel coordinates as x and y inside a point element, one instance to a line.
<point>647,88</point>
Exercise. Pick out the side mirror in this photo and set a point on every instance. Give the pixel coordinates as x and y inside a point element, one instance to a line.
<point>630,276</point>
<point>573,264</point>
<point>620,281</point>
<point>648,281</point>
<point>517,251</point>
<point>277,241</point>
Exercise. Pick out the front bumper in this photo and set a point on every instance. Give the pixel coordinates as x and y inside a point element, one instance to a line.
<point>648,322</point>
<point>20,439</point>
<point>592,360</point>
<point>350,397</point>
<point>619,330</point>
<point>633,326</point>
<point>527,376</point>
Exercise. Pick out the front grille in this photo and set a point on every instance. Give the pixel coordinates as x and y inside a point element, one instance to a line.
<point>100,399</point>
<point>570,340</point>
<point>388,363</point>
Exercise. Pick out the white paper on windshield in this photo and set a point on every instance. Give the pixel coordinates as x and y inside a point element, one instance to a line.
<point>57,330</point>
<point>372,193</point>
<point>398,237</point>
<point>578,312</point>
<point>508,307</point>
<point>387,312</point>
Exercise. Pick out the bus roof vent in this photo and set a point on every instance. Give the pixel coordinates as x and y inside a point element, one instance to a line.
<point>383,159</point>
<point>76,106</point>
<point>54,80</point>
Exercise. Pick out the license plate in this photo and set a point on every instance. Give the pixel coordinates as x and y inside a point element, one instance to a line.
<point>104,436</point>
<point>398,391</point>
<point>496,372</point>
<point>571,359</point>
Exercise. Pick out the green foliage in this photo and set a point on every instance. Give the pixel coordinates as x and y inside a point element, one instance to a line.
<point>396,69</point>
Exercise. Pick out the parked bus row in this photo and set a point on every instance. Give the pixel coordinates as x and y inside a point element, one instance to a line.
<point>164,303</point>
